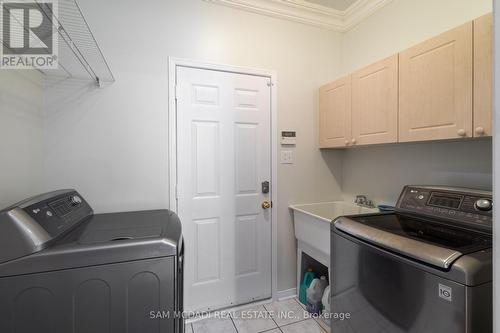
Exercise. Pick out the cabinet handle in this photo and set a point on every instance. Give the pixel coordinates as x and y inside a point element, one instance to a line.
<point>461,132</point>
<point>353,141</point>
<point>479,130</point>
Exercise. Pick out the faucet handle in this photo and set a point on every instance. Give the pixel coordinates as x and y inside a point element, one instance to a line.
<point>360,199</point>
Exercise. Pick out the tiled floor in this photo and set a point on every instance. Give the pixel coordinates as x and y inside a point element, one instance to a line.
<point>264,318</point>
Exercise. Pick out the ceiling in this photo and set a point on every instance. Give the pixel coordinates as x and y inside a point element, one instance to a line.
<point>334,4</point>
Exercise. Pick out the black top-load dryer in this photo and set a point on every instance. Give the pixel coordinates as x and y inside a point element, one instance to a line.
<point>64,269</point>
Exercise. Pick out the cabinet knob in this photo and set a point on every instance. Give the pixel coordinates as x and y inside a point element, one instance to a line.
<point>346,142</point>
<point>353,141</point>
<point>479,130</point>
<point>461,132</point>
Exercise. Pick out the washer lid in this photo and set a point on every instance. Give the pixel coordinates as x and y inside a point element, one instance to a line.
<point>107,239</point>
<point>428,241</point>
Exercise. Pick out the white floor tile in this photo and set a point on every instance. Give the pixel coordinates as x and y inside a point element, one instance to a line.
<point>253,320</point>
<point>323,324</point>
<point>188,328</point>
<point>285,312</point>
<point>214,325</point>
<point>306,326</point>
<point>297,300</point>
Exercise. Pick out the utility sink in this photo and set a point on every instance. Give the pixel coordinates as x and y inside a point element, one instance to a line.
<point>312,222</point>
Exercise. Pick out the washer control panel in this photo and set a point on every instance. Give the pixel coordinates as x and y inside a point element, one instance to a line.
<point>460,205</point>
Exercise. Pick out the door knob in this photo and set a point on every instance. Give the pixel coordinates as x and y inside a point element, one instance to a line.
<point>479,130</point>
<point>266,205</point>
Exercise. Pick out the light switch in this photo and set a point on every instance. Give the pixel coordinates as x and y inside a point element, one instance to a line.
<point>287,157</point>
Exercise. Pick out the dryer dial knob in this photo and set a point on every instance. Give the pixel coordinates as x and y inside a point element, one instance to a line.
<point>75,200</point>
<point>483,204</point>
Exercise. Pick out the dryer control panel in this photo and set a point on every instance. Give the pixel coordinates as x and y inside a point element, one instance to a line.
<point>30,225</point>
<point>59,213</point>
<point>462,206</point>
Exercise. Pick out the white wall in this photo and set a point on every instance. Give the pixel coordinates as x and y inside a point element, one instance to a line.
<point>111,144</point>
<point>21,135</point>
<point>380,172</point>
<point>402,24</point>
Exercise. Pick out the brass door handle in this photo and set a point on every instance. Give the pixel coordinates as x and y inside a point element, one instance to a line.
<point>266,205</point>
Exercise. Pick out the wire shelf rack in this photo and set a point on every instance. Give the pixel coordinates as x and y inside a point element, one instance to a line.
<point>79,55</point>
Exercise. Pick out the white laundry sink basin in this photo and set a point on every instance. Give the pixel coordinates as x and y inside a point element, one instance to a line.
<point>312,222</point>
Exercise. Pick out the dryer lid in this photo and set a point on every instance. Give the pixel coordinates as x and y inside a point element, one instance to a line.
<point>107,239</point>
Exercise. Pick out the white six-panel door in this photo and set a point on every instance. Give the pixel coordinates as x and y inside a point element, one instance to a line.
<point>223,156</point>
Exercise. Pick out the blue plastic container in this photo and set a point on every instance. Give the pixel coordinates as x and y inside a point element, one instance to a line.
<point>306,282</point>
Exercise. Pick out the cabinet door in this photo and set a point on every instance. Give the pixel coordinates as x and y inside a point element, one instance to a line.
<point>375,103</point>
<point>335,113</point>
<point>483,70</point>
<point>435,91</point>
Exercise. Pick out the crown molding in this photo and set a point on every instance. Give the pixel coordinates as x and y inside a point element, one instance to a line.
<point>309,13</point>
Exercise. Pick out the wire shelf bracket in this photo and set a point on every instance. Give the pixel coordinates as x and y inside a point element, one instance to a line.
<point>80,56</point>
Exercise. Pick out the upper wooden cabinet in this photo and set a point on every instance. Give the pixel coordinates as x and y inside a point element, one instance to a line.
<point>439,89</point>
<point>435,88</point>
<point>335,113</point>
<point>375,103</point>
<point>483,72</point>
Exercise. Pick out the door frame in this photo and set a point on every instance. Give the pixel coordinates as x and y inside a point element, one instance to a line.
<point>173,63</point>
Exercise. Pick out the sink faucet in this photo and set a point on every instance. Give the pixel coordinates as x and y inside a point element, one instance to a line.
<point>362,200</point>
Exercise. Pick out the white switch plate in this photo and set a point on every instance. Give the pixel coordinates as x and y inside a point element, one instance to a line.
<point>287,157</point>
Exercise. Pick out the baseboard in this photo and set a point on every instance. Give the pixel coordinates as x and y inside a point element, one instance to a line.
<point>211,314</point>
<point>285,294</point>
<point>280,296</point>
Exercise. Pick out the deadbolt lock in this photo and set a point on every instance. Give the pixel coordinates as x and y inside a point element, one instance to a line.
<point>265,187</point>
